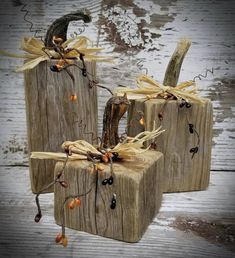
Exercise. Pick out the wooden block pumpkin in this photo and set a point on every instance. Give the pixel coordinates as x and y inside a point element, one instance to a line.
<point>55,115</point>
<point>186,117</point>
<point>186,143</point>
<point>61,103</point>
<point>136,188</point>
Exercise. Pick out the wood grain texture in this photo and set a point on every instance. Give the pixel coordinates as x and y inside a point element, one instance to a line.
<point>181,171</point>
<point>137,185</point>
<point>155,25</point>
<point>210,25</point>
<point>115,108</point>
<point>52,117</point>
<point>22,237</point>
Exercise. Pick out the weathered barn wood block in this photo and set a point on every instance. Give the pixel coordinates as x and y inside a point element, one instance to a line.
<point>53,116</point>
<point>138,188</point>
<point>181,171</point>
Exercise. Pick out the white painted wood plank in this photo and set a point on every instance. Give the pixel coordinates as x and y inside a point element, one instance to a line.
<point>209,23</point>
<point>22,237</point>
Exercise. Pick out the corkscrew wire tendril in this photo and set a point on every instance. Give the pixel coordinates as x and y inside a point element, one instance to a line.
<point>205,75</point>
<point>141,66</point>
<point>31,29</point>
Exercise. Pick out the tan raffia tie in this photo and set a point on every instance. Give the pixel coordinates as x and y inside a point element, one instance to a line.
<point>148,88</point>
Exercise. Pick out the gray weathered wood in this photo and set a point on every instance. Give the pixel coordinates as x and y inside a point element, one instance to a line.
<point>52,117</point>
<point>22,237</point>
<point>115,108</point>
<point>173,69</point>
<point>210,25</point>
<point>181,171</point>
<point>160,24</point>
<point>138,188</point>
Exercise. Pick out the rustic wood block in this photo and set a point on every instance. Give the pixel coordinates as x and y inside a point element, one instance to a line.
<point>138,188</point>
<point>181,171</point>
<point>52,117</point>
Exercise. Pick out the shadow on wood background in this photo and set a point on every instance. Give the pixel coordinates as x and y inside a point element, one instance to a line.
<point>141,34</point>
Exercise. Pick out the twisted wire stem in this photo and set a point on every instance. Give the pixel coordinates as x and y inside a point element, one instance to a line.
<point>31,28</point>
<point>205,75</point>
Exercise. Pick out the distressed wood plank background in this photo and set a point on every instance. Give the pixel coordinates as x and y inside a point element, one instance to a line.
<point>139,33</point>
<point>142,34</point>
<point>22,237</point>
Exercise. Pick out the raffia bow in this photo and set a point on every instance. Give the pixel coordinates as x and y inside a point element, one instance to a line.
<point>128,149</point>
<point>35,54</point>
<point>148,88</point>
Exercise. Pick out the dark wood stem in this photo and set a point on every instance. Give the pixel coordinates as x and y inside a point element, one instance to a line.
<point>60,26</point>
<point>114,111</point>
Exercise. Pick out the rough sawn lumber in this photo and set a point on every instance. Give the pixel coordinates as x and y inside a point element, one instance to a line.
<point>53,117</point>
<point>138,188</point>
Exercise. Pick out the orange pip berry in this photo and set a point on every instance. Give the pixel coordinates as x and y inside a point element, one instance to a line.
<point>141,121</point>
<point>61,239</point>
<point>61,63</point>
<point>73,97</point>
<point>109,154</point>
<point>71,204</point>
<point>57,40</point>
<point>58,238</point>
<point>78,201</point>
<point>99,167</point>
<point>64,241</point>
<point>105,158</point>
